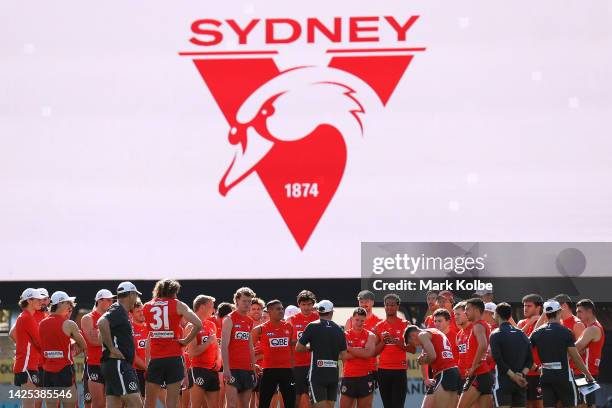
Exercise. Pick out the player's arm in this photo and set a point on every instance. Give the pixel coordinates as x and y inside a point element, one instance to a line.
<point>105,338</point>
<point>255,333</point>
<point>302,344</point>
<point>147,347</point>
<point>89,332</point>
<point>139,363</point>
<point>252,352</point>
<point>528,356</point>
<point>342,345</point>
<point>13,334</point>
<point>380,345</point>
<point>425,372</point>
<point>367,351</point>
<point>183,310</point>
<point>193,348</point>
<point>226,333</point>
<point>349,324</point>
<point>588,335</point>
<point>429,352</point>
<point>481,338</point>
<point>579,363</point>
<point>579,327</point>
<point>71,329</point>
<point>31,330</point>
<point>370,345</point>
<point>542,320</point>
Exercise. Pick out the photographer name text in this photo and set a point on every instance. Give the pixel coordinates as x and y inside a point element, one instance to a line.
<point>430,284</point>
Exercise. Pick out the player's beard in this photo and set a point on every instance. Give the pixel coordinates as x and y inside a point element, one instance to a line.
<point>44,308</point>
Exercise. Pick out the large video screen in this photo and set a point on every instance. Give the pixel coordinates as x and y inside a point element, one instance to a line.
<point>270,139</point>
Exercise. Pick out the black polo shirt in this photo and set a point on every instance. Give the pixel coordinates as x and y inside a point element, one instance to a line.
<point>510,349</point>
<point>552,342</point>
<point>120,331</point>
<point>326,340</point>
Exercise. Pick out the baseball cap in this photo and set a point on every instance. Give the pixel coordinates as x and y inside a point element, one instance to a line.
<point>125,287</point>
<point>490,307</point>
<point>483,292</point>
<point>59,297</point>
<point>551,306</point>
<point>104,294</point>
<point>365,295</point>
<point>31,293</point>
<point>291,310</point>
<point>324,306</point>
<point>43,292</point>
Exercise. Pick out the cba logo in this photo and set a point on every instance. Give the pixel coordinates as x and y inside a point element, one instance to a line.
<point>292,127</point>
<point>133,386</point>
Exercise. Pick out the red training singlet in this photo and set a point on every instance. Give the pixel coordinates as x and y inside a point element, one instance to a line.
<point>593,351</point>
<point>444,352</point>
<point>27,349</point>
<point>463,360</point>
<point>164,326</point>
<point>140,340</point>
<point>371,321</point>
<point>299,323</point>
<point>275,344</point>
<point>357,367</point>
<point>483,367</point>
<point>54,344</point>
<point>392,357</point>
<point>528,329</point>
<point>208,358</point>
<point>94,353</point>
<point>239,352</point>
<point>570,322</point>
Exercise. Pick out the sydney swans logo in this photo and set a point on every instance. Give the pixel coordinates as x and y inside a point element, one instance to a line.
<point>291,127</point>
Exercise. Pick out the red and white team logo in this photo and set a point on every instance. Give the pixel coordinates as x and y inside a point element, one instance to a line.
<point>291,127</point>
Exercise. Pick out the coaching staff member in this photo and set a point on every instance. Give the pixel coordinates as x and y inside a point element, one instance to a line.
<point>511,351</point>
<point>554,342</point>
<point>121,381</point>
<point>327,342</point>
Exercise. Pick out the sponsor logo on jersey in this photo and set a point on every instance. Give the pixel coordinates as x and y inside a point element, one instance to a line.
<point>53,354</point>
<point>279,342</point>
<point>162,334</point>
<point>327,363</point>
<point>242,335</point>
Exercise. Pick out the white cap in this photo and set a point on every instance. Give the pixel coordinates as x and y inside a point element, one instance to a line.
<point>59,297</point>
<point>291,310</point>
<point>104,294</point>
<point>483,292</point>
<point>125,287</point>
<point>551,306</point>
<point>31,293</point>
<point>44,292</point>
<point>324,306</point>
<point>490,307</point>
